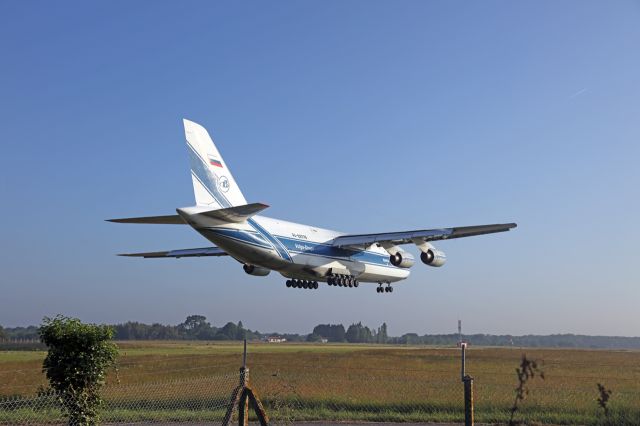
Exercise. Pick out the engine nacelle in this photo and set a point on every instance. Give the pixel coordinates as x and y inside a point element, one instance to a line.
<point>433,257</point>
<point>256,270</point>
<point>402,259</point>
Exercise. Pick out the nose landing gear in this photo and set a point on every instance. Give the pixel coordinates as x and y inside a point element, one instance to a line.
<point>381,289</point>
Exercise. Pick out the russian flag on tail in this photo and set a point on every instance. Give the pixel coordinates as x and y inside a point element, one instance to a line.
<point>214,162</point>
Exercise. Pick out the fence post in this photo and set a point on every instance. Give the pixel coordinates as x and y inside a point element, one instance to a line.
<point>468,400</point>
<point>243,407</point>
<point>463,373</point>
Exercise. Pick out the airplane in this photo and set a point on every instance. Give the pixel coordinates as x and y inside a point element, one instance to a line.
<point>304,254</point>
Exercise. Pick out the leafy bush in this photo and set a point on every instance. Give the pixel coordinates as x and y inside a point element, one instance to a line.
<point>76,364</point>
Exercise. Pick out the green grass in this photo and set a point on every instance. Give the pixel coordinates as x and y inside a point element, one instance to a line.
<point>182,380</point>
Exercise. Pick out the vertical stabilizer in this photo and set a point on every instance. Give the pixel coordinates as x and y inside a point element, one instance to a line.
<point>213,183</point>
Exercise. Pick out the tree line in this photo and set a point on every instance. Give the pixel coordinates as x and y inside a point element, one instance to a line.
<point>196,327</point>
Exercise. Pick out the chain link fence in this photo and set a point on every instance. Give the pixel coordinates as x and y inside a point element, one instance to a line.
<point>201,400</point>
<point>154,393</point>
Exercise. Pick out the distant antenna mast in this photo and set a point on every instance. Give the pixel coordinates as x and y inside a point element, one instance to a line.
<point>459,330</point>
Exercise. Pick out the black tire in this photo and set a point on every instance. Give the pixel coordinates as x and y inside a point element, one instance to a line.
<point>390,289</point>
<point>356,283</point>
<point>288,283</point>
<point>315,285</point>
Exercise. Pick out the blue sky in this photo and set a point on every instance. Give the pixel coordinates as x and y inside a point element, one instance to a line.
<point>356,116</point>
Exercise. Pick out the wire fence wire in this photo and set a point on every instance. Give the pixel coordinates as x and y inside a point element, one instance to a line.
<point>293,394</point>
<point>203,400</point>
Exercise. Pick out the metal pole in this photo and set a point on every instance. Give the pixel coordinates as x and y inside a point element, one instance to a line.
<point>468,400</point>
<point>243,406</point>
<point>244,355</point>
<point>463,346</point>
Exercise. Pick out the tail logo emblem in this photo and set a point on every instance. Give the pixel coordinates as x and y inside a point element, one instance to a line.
<point>223,183</point>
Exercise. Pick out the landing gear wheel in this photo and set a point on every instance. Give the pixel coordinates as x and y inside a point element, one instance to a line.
<point>356,283</point>
<point>288,283</point>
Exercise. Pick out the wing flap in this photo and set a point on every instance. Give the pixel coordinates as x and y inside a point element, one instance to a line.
<point>408,237</point>
<point>156,220</point>
<point>194,252</point>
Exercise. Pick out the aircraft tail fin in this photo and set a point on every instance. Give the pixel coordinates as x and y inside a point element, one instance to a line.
<point>213,183</point>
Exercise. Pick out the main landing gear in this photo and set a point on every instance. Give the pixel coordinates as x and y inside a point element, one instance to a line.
<point>343,281</point>
<point>387,289</point>
<point>302,284</point>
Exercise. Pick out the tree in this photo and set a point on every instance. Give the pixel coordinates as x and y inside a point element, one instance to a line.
<point>241,333</point>
<point>228,332</point>
<point>76,364</point>
<point>357,333</point>
<point>194,321</point>
<point>333,333</point>
<point>314,338</point>
<point>3,334</point>
<point>197,327</point>
<point>382,336</point>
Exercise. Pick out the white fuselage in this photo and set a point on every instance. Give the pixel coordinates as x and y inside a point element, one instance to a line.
<point>297,251</point>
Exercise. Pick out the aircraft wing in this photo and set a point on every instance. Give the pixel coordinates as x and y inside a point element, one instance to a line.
<point>194,252</point>
<point>425,235</point>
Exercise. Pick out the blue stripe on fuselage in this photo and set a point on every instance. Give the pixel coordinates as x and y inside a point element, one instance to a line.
<point>252,238</point>
<point>280,248</point>
<point>297,246</point>
<point>327,250</point>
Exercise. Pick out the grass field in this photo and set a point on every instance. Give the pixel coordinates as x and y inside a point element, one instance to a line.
<point>353,382</point>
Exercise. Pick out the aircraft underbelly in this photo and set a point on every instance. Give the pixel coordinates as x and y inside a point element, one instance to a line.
<point>305,266</point>
<point>237,243</point>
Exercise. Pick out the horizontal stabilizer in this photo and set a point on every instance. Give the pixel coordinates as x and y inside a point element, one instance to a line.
<point>173,219</point>
<point>236,214</point>
<point>195,252</point>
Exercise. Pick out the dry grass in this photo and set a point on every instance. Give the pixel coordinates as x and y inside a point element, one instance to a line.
<point>370,379</point>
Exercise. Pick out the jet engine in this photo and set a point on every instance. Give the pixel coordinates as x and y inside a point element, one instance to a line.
<point>433,257</point>
<point>402,259</point>
<point>256,270</point>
